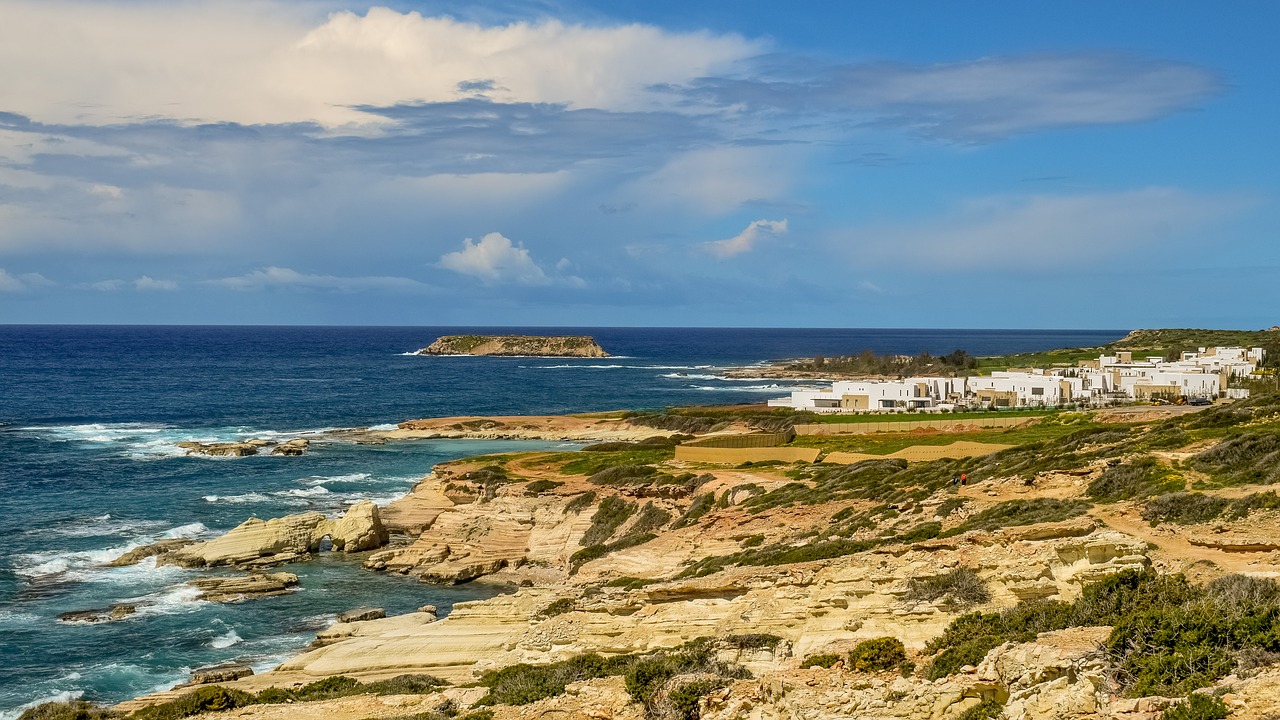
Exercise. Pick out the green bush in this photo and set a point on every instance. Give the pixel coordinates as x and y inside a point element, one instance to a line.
<point>822,661</point>
<point>1025,512</point>
<point>651,518</point>
<point>1168,637</point>
<point>537,487</point>
<point>1198,706</point>
<point>330,687</point>
<point>986,710</point>
<point>1143,477</point>
<point>1250,458</point>
<point>580,503</point>
<point>206,699</point>
<point>72,710</point>
<point>1241,507</point>
<point>700,506</point>
<point>522,684</point>
<point>413,684</point>
<point>558,607</point>
<point>877,655</point>
<point>962,586</point>
<point>1184,508</point>
<point>681,703</point>
<point>752,641</point>
<point>950,505</point>
<point>612,513</point>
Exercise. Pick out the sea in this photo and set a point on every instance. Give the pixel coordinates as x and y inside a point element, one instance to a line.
<point>90,418</point>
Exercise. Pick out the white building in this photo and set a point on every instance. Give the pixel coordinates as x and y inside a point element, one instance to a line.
<point>1202,374</point>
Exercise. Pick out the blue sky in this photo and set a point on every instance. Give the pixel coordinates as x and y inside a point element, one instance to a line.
<point>925,164</point>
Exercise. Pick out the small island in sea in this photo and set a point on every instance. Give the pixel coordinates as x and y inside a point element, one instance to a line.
<point>516,345</point>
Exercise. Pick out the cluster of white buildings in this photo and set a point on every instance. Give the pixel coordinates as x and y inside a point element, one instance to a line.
<point>1109,379</point>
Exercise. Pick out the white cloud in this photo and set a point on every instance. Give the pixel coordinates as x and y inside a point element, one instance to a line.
<point>745,241</point>
<point>112,285</point>
<point>23,283</point>
<point>495,259</point>
<point>280,277</point>
<point>719,180</point>
<point>82,61</point>
<point>1046,232</point>
<point>146,282</point>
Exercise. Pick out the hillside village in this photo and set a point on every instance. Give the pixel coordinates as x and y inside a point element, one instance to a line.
<point>1197,376</point>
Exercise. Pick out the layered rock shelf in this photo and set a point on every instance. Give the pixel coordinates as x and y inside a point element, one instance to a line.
<point>517,345</point>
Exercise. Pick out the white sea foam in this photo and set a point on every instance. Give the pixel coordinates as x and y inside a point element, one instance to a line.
<point>185,531</point>
<point>50,563</point>
<point>384,427</point>
<point>237,499</point>
<point>314,491</point>
<point>753,388</point>
<point>172,600</point>
<point>140,441</point>
<point>611,366</point>
<point>317,480</point>
<point>226,640</point>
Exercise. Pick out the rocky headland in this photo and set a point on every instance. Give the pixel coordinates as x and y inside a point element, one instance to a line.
<point>581,346</point>
<point>1092,569</point>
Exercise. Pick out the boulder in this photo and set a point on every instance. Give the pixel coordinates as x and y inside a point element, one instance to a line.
<point>219,673</point>
<point>225,449</point>
<point>360,529</point>
<point>359,614</point>
<point>237,589</point>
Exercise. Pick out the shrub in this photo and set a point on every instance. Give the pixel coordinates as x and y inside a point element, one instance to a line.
<point>877,655</point>
<point>611,514</point>
<point>1025,512</point>
<point>1241,507</point>
<point>72,710</point>
<point>986,710</point>
<point>558,607</point>
<point>580,503</point>
<point>647,674</point>
<point>205,699</point>
<point>700,506</point>
<point>1198,706</point>
<point>594,552</point>
<point>752,641</point>
<point>822,661</point>
<point>962,586</point>
<point>651,518</point>
<point>681,702</point>
<point>330,687</point>
<point>537,487</point>
<point>752,541</point>
<point>1143,477</point>
<point>413,684</point>
<point>1251,458</point>
<point>630,583</point>
<point>522,684</point>
<point>949,506</point>
<point>1183,508</point>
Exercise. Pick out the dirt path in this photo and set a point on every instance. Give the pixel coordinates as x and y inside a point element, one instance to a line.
<point>1174,549</point>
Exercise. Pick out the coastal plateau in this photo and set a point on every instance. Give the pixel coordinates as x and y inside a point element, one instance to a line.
<point>1100,565</point>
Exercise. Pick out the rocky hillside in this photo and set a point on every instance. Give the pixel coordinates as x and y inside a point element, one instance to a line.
<point>516,345</point>
<point>1117,569</point>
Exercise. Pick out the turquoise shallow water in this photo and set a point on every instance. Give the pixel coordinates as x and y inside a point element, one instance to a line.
<point>90,418</point>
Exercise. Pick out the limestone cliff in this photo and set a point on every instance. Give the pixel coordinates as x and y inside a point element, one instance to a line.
<point>516,345</point>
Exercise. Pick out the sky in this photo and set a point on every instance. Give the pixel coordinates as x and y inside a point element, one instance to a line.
<point>997,164</point>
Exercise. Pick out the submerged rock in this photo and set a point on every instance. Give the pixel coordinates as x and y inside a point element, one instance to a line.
<point>237,589</point>
<point>138,554</point>
<point>291,447</point>
<point>97,615</point>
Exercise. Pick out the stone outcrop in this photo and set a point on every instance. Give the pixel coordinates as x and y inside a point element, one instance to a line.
<point>99,615</point>
<point>246,447</point>
<point>516,345</point>
<point>263,542</point>
<point>814,606</point>
<point>237,589</point>
<point>361,614</point>
<point>138,554</point>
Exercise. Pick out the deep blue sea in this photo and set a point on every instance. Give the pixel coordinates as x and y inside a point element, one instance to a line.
<point>90,418</point>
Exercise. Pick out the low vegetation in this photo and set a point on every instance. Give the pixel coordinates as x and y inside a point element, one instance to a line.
<point>649,678</point>
<point>1168,637</point>
<point>877,655</point>
<point>868,362</point>
<point>961,586</point>
<point>1139,478</point>
<point>1188,508</point>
